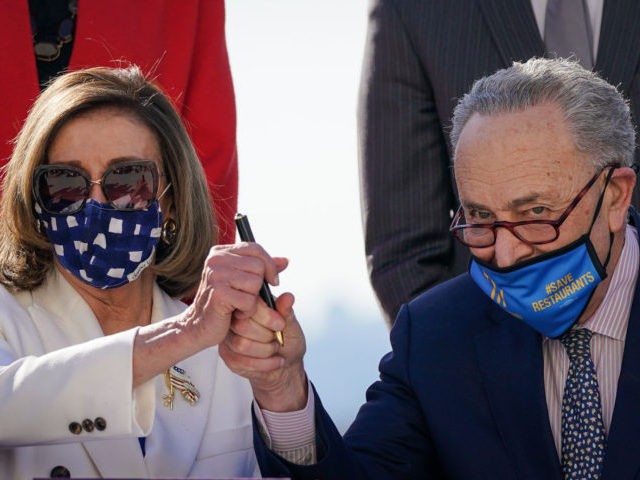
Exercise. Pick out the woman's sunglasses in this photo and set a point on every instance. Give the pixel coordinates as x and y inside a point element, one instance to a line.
<point>63,189</point>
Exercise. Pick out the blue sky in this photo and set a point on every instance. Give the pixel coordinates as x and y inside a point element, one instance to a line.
<point>296,67</point>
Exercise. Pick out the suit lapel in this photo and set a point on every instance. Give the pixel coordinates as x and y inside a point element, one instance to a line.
<point>619,44</point>
<point>515,32</point>
<point>513,28</point>
<point>516,397</point>
<point>175,439</point>
<point>173,443</point>
<point>623,444</point>
<point>172,446</point>
<point>510,361</point>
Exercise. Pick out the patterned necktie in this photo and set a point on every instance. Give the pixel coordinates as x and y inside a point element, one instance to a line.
<point>583,438</point>
<point>567,30</point>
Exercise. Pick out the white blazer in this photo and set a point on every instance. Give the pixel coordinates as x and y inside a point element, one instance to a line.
<point>57,368</point>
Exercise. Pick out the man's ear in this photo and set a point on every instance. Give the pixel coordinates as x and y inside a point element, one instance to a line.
<point>618,197</point>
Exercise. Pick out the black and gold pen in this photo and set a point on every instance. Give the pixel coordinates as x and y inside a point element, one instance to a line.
<point>246,235</point>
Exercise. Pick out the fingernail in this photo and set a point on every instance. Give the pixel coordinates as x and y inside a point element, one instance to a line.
<point>276,279</point>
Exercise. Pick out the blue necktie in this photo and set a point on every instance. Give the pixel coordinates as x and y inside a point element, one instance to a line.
<point>583,437</point>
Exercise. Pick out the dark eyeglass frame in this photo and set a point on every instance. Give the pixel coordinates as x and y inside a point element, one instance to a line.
<point>43,169</point>
<point>457,230</point>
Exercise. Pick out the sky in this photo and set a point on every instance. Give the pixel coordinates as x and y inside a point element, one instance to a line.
<point>296,68</point>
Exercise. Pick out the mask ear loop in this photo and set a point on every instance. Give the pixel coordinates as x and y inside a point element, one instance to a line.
<point>595,215</point>
<point>162,194</point>
<point>166,189</point>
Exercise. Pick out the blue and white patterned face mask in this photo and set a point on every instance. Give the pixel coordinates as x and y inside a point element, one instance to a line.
<point>102,246</point>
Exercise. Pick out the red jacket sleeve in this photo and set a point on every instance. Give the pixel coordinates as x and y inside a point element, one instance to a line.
<point>209,110</point>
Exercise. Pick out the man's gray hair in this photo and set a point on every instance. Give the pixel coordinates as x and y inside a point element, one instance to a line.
<point>597,114</point>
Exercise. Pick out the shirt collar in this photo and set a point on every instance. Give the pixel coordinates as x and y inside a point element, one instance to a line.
<point>612,316</point>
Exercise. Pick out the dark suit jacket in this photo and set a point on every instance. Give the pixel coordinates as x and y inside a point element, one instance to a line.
<point>461,396</point>
<point>421,57</point>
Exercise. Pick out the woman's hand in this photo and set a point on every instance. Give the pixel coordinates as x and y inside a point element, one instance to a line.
<point>231,280</point>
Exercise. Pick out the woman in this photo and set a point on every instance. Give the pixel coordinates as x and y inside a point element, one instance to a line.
<point>182,43</point>
<point>106,220</point>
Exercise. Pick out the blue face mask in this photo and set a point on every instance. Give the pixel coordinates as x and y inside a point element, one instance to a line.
<point>102,246</point>
<point>549,292</point>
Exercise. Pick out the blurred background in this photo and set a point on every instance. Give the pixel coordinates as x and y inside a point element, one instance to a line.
<point>296,67</point>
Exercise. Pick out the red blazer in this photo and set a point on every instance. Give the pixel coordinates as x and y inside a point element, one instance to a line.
<point>182,42</point>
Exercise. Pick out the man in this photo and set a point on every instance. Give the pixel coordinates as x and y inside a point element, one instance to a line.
<point>475,384</point>
<point>421,57</point>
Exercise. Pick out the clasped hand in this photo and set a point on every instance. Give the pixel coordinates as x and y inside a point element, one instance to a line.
<point>228,311</point>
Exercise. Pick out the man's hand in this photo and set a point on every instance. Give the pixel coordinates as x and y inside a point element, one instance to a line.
<point>276,373</point>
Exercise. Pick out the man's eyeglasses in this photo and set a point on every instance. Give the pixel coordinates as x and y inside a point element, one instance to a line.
<point>531,232</point>
<point>64,189</point>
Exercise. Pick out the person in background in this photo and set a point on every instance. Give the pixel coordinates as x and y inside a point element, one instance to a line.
<point>420,58</point>
<point>181,44</point>
<point>527,366</point>
<point>106,221</point>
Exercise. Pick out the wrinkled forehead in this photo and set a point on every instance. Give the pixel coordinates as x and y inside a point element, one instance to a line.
<point>510,152</point>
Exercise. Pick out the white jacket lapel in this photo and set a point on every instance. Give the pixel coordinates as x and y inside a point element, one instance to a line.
<point>176,435</point>
<point>172,446</point>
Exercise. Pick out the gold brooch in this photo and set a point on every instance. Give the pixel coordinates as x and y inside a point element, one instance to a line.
<point>177,379</point>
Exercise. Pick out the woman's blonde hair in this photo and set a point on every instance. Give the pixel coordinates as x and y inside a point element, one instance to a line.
<point>26,255</point>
